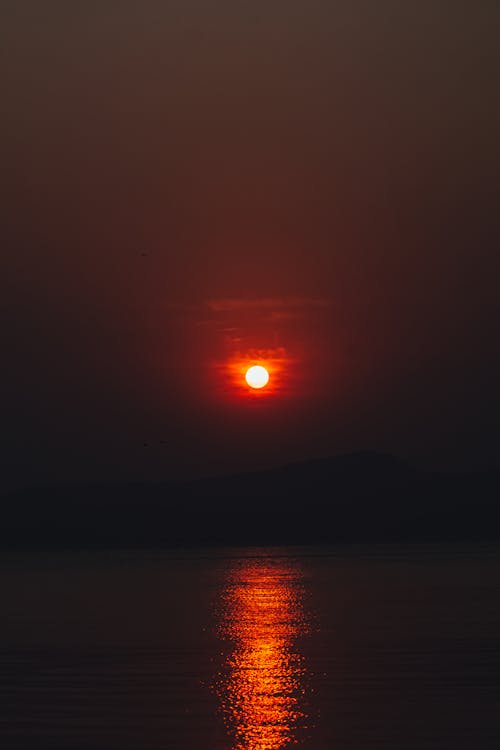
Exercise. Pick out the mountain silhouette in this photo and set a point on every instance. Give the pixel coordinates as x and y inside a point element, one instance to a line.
<point>357,497</point>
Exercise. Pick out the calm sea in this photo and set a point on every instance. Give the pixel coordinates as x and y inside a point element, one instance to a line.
<point>251,649</point>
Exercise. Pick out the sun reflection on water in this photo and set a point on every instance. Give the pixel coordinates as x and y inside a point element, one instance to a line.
<point>262,686</point>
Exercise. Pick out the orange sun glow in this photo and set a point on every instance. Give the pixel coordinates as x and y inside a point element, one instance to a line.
<point>257,376</point>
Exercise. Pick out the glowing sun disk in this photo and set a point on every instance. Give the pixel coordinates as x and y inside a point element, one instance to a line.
<point>257,376</point>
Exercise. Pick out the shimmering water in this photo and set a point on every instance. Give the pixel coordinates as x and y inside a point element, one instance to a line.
<point>256,649</point>
<point>262,685</point>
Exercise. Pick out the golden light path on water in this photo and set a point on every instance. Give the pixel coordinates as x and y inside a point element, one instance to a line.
<point>262,686</point>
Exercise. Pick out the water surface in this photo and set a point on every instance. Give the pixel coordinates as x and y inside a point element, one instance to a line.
<point>251,649</point>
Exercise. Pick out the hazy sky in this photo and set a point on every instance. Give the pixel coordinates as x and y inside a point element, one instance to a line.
<point>187,185</point>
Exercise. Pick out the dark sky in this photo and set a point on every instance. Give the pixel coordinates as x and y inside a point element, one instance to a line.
<point>189,185</point>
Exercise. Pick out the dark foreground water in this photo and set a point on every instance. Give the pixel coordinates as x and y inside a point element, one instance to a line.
<point>251,649</point>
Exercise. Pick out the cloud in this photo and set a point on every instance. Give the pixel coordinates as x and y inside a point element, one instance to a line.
<point>275,304</point>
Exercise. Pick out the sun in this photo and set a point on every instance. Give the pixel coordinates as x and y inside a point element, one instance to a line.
<point>257,376</point>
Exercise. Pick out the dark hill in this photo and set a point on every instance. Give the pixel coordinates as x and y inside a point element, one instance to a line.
<point>352,498</point>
